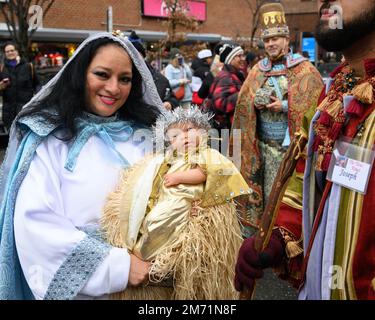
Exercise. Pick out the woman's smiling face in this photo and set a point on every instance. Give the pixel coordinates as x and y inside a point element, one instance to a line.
<point>108,80</point>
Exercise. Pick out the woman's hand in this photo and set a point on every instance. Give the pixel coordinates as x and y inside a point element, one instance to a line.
<point>4,84</point>
<point>184,81</point>
<point>139,271</point>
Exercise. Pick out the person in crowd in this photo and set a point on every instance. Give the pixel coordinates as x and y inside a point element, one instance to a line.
<point>223,94</point>
<point>334,227</point>
<point>168,210</point>
<point>179,75</point>
<point>270,107</point>
<point>251,59</point>
<point>215,68</point>
<point>205,58</point>
<point>66,149</point>
<point>18,83</point>
<point>162,84</point>
<point>201,72</point>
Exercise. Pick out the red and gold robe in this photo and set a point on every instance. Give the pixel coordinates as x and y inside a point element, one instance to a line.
<point>352,240</point>
<point>304,87</point>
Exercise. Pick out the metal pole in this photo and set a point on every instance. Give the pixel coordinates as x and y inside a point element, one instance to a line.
<point>109,19</point>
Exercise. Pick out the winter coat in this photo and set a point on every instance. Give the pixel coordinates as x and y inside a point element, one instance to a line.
<point>23,84</point>
<point>223,95</point>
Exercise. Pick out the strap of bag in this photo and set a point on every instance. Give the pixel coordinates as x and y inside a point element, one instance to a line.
<point>32,71</point>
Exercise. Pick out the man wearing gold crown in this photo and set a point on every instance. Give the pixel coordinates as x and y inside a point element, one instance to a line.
<point>338,223</point>
<point>270,107</point>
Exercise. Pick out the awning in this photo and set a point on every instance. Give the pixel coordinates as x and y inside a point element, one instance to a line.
<point>78,35</point>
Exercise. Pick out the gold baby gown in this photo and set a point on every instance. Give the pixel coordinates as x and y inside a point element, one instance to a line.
<point>189,232</point>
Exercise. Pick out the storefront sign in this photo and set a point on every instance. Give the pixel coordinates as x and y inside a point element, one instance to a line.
<point>157,8</point>
<point>309,45</point>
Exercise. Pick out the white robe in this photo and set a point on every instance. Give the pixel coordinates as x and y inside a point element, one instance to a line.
<point>51,205</point>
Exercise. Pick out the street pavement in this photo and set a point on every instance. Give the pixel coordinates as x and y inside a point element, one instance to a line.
<point>272,288</point>
<point>268,288</point>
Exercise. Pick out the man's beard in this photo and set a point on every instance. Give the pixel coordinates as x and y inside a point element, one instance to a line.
<point>340,39</point>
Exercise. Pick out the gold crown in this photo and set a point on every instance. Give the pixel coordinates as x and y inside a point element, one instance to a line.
<point>273,22</point>
<point>274,17</point>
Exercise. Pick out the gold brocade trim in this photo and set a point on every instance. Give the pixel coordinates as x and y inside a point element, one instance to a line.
<point>356,205</point>
<point>301,134</point>
<point>293,199</point>
<point>273,17</point>
<point>276,31</point>
<point>354,214</point>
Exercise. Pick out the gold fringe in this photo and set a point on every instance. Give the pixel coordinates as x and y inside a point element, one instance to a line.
<point>293,248</point>
<point>324,104</point>
<point>334,108</point>
<point>201,262</point>
<point>373,284</point>
<point>364,93</point>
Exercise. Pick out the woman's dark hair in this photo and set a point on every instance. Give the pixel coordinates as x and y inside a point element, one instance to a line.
<point>68,95</point>
<point>10,43</point>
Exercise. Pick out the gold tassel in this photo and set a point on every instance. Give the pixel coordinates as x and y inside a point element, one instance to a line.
<point>334,108</point>
<point>323,105</point>
<point>319,161</point>
<point>364,93</point>
<point>293,249</point>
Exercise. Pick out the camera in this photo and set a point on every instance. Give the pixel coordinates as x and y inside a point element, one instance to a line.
<point>180,60</point>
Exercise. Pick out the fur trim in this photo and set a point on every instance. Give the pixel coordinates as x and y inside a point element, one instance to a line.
<point>201,262</point>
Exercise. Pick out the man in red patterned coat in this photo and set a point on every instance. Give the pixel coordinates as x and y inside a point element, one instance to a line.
<point>276,94</point>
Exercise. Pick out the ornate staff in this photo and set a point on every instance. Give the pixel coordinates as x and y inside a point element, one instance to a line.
<point>269,216</point>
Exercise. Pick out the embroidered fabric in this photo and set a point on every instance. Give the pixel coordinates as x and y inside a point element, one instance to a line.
<point>274,126</point>
<point>291,60</point>
<point>10,269</point>
<point>73,274</point>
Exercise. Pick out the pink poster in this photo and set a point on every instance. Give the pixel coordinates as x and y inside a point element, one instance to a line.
<point>156,8</point>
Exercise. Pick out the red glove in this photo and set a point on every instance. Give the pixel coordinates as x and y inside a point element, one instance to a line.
<point>250,264</point>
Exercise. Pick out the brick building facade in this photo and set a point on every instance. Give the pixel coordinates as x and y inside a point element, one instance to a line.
<point>73,20</point>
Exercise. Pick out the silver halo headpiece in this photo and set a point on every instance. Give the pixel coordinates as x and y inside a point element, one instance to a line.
<point>180,116</point>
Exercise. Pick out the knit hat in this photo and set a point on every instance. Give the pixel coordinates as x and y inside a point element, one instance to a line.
<point>272,21</point>
<point>205,53</point>
<point>137,43</point>
<point>174,53</point>
<point>228,52</point>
